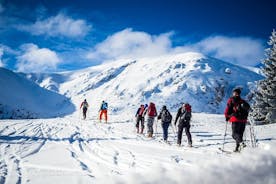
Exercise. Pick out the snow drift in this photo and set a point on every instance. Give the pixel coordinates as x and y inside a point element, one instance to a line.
<point>21,98</point>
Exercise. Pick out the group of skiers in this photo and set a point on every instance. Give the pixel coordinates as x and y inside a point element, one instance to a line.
<point>236,112</point>
<point>183,118</point>
<point>103,110</point>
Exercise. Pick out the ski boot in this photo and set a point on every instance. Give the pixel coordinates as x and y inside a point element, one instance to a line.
<point>237,149</point>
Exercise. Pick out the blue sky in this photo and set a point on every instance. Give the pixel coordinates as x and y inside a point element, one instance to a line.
<point>48,35</point>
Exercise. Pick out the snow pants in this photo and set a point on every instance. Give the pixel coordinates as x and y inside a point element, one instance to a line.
<point>165,127</point>
<point>84,111</point>
<point>150,125</point>
<point>138,120</point>
<point>237,131</point>
<point>181,126</point>
<point>103,112</point>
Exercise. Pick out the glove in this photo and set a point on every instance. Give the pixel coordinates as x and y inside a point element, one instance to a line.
<point>227,118</point>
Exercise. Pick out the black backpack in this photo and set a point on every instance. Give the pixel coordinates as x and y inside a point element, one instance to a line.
<point>241,109</point>
<point>166,116</point>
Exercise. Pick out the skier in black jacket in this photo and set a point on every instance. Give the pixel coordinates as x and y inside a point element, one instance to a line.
<point>184,116</point>
<point>166,119</point>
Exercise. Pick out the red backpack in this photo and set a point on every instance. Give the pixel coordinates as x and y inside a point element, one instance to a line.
<point>152,110</point>
<point>188,107</point>
<point>187,114</point>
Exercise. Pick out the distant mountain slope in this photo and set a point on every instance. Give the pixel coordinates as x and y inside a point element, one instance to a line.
<point>204,82</point>
<point>21,98</point>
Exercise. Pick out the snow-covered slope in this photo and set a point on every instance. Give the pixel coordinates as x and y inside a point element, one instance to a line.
<point>204,82</point>
<point>72,151</point>
<point>21,98</point>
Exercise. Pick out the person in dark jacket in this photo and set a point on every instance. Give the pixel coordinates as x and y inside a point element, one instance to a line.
<point>233,115</point>
<point>183,117</point>
<point>140,117</point>
<point>166,119</point>
<point>84,105</point>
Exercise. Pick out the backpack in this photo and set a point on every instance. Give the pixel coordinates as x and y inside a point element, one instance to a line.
<point>85,105</point>
<point>104,106</point>
<point>152,110</point>
<point>166,116</point>
<point>187,114</point>
<point>241,109</point>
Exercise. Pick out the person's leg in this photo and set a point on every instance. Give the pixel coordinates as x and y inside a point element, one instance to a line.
<point>166,127</point>
<point>142,124</point>
<point>105,115</point>
<point>101,114</point>
<point>179,133</point>
<point>188,134</point>
<point>84,110</point>
<point>137,123</point>
<point>235,135</point>
<point>150,128</point>
<point>164,130</point>
<point>241,128</point>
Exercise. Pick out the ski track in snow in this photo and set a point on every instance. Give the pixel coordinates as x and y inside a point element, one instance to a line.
<point>70,147</point>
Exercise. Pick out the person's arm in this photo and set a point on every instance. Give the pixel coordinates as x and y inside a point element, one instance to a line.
<point>81,105</point>
<point>145,112</point>
<point>228,109</point>
<point>177,116</point>
<point>159,116</point>
<point>137,112</point>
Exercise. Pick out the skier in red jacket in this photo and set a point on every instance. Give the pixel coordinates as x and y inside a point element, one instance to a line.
<point>236,112</point>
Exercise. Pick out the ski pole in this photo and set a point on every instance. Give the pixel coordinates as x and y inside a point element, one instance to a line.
<point>245,132</point>
<point>173,130</point>
<point>251,137</point>
<point>224,135</point>
<point>252,133</point>
<point>254,141</point>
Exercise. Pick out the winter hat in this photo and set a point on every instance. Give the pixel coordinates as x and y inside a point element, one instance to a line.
<point>164,107</point>
<point>237,90</point>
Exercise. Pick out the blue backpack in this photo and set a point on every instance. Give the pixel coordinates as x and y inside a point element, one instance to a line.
<point>104,106</point>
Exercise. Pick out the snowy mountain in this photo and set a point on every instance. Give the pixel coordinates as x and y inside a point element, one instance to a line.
<point>204,82</point>
<point>71,150</point>
<point>21,98</point>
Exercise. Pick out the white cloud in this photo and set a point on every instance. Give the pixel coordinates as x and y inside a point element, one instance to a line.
<point>34,59</point>
<point>236,50</point>
<point>131,44</point>
<point>1,55</point>
<point>60,25</point>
